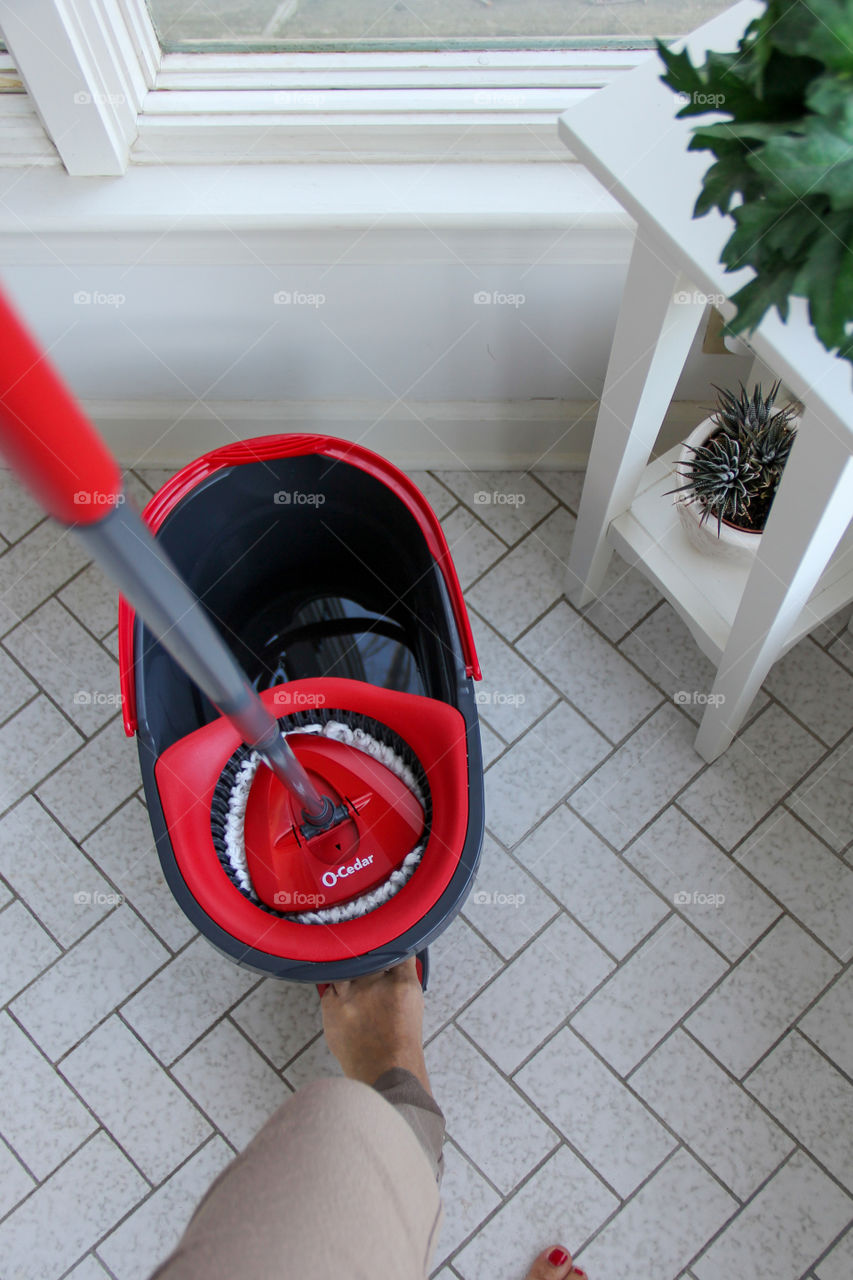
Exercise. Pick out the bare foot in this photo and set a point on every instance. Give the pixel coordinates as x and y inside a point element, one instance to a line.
<point>555,1264</point>
<point>375,1023</point>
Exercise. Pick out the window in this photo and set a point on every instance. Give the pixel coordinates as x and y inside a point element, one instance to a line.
<point>351,25</point>
<point>342,81</point>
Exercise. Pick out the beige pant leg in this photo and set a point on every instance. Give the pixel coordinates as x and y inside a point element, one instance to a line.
<point>335,1185</point>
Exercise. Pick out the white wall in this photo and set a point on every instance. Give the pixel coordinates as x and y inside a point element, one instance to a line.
<point>183,344</point>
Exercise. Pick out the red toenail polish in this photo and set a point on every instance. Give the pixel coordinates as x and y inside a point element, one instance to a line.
<point>558,1257</point>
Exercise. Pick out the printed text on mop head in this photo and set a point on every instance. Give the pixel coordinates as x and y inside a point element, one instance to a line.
<point>332,877</point>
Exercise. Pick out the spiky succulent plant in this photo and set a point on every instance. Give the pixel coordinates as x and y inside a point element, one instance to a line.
<point>742,460</point>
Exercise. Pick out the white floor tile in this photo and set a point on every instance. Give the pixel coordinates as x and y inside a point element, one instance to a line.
<point>148,1236</point>
<point>185,999</point>
<point>490,743</point>
<point>485,1116</point>
<point>714,1117</point>
<point>811,882</point>
<point>61,1221</point>
<point>434,490</point>
<point>811,1099</point>
<point>18,512</point>
<point>814,689</point>
<point>32,743</point>
<point>648,995</point>
<point>539,770</point>
<point>460,964</point>
<point>93,598</point>
<point>505,904</point>
<point>124,848</point>
<point>467,1199</point>
<point>538,990</point>
<point>595,1112</point>
<point>280,1018</point>
<point>593,884</point>
<point>566,485</point>
<point>313,1062</point>
<point>511,696</point>
<point>825,799</point>
<point>130,1093</point>
<point>94,782</point>
<point>842,650</point>
<point>50,873</point>
<point>591,673</point>
<point>643,776</point>
<point>747,780</point>
<point>89,1269</point>
<point>40,1117</point>
<point>528,580</point>
<point>89,981</point>
<point>15,1182</point>
<point>764,994</point>
<point>25,950</point>
<point>838,1263</point>
<point>781,1232</point>
<point>704,885</point>
<point>472,546</point>
<point>73,668</point>
<point>509,502</point>
<point>110,641</point>
<point>563,1203</point>
<point>232,1083</point>
<point>625,596</point>
<point>663,647</point>
<point>34,567</point>
<point>833,627</point>
<point>16,688</point>
<point>829,1023</point>
<point>663,1226</point>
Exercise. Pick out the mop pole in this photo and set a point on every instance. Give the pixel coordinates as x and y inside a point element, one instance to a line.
<point>58,455</point>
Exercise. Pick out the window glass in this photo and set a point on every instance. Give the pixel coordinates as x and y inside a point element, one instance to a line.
<point>422,24</point>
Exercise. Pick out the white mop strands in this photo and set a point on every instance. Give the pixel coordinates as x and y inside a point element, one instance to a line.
<point>234,836</point>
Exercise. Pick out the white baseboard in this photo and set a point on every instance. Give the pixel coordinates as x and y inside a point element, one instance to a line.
<point>487,436</point>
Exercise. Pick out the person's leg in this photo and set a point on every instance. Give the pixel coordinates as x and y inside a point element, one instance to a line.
<point>342,1180</point>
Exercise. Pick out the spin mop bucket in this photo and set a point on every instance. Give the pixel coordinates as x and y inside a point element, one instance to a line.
<point>308,733</point>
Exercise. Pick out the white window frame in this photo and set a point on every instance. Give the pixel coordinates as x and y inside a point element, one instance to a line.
<point>108,96</point>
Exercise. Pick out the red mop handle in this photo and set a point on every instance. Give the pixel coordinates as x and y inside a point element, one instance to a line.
<point>47,439</point>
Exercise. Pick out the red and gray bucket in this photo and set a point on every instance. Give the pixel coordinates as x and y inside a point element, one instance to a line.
<point>298,668</point>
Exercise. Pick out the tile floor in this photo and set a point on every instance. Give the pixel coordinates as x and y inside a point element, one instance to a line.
<point>641,1028</point>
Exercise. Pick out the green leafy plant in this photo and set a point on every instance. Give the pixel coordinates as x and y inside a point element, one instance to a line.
<point>784,159</point>
<point>734,475</point>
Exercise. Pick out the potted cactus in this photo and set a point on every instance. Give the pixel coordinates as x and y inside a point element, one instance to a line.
<point>731,466</point>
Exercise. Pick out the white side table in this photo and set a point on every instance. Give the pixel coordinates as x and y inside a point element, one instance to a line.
<point>743,619</point>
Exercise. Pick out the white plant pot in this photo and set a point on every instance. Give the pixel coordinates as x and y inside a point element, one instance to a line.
<point>731,544</point>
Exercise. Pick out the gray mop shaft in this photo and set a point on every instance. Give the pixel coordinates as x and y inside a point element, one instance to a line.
<point>126,550</point>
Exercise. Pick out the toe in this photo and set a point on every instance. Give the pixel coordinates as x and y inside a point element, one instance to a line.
<point>554,1263</point>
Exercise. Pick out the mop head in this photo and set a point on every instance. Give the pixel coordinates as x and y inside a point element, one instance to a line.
<point>230,798</point>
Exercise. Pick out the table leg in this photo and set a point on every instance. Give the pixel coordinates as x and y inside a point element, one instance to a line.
<point>657,322</point>
<point>811,511</point>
